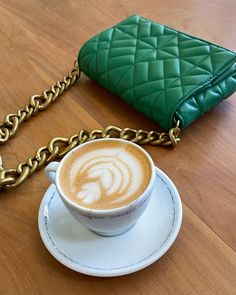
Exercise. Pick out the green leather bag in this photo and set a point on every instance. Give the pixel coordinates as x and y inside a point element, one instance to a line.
<point>163,73</point>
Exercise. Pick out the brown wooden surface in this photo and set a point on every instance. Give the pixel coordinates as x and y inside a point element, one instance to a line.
<point>39,41</point>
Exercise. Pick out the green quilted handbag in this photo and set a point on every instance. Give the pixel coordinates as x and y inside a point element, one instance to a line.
<point>163,73</point>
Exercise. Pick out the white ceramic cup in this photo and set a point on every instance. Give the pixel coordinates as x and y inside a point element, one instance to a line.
<point>109,222</point>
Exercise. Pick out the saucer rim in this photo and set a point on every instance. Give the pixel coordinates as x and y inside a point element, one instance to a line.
<point>123,270</point>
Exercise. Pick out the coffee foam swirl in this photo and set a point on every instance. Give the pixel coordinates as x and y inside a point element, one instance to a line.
<point>112,175</point>
<point>105,174</point>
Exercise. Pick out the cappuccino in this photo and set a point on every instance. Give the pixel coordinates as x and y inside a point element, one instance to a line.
<point>105,174</point>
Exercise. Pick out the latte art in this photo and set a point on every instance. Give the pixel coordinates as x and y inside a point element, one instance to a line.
<point>105,173</point>
<point>106,176</point>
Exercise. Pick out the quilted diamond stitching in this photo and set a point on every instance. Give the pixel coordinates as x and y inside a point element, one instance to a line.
<point>188,64</point>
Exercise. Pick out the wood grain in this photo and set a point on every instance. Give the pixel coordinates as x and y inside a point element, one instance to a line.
<point>39,41</point>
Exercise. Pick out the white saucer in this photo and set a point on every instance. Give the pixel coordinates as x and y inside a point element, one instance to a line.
<point>83,251</point>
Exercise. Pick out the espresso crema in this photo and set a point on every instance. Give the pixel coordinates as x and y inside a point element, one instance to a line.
<point>105,174</point>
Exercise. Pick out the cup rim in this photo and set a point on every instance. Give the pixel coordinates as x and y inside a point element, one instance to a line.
<point>106,212</point>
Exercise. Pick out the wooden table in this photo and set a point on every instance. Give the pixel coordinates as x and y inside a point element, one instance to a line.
<point>39,41</point>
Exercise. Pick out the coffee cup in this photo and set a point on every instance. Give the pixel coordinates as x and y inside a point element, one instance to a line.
<point>105,184</point>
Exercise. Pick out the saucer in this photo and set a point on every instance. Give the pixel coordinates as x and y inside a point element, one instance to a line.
<point>86,252</point>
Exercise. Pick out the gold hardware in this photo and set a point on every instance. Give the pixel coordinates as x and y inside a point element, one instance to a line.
<point>60,146</point>
<point>37,103</point>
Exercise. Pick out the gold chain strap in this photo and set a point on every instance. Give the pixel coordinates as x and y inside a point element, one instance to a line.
<point>37,103</point>
<point>59,146</point>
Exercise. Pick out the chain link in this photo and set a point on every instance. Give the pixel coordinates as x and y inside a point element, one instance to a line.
<point>60,146</point>
<point>37,103</point>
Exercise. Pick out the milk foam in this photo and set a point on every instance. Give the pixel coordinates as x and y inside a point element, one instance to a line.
<point>105,174</point>
<point>113,174</point>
